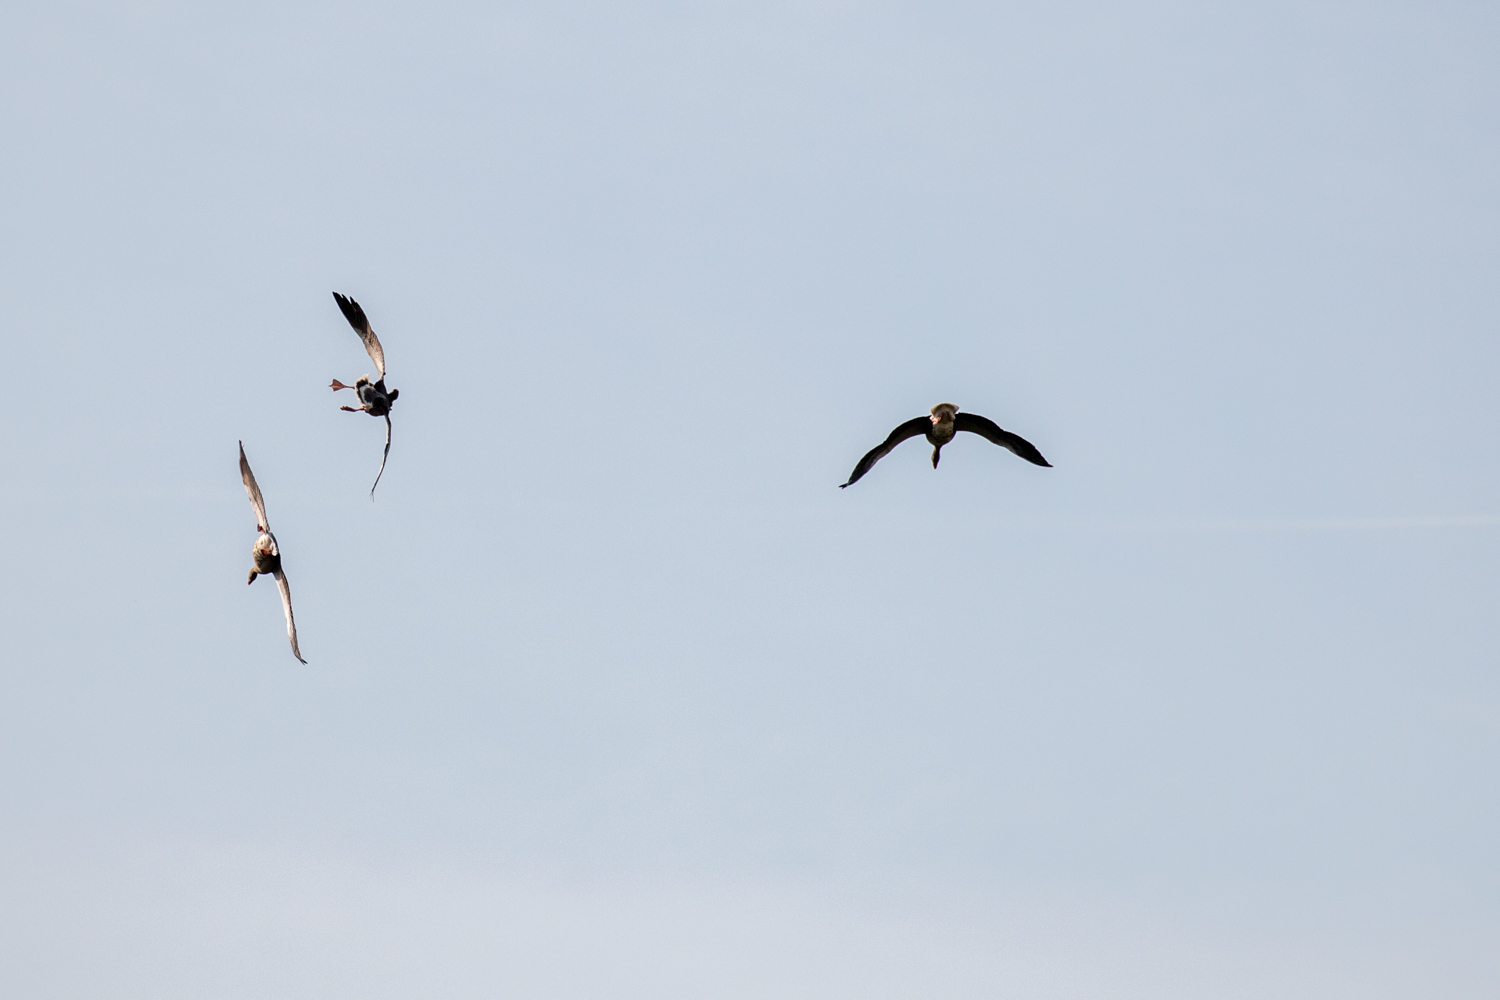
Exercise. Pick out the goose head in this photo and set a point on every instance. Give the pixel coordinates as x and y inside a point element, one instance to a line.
<point>943,413</point>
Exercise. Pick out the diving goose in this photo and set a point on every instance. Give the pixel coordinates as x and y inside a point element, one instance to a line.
<point>939,429</point>
<point>265,556</point>
<point>374,398</point>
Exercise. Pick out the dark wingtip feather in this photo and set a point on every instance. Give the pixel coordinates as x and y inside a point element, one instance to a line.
<point>1035,458</point>
<point>352,311</point>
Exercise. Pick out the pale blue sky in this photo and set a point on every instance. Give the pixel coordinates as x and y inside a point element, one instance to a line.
<point>611,692</point>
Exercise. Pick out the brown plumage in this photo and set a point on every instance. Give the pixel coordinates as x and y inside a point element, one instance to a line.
<point>374,398</point>
<point>939,429</point>
<point>265,554</point>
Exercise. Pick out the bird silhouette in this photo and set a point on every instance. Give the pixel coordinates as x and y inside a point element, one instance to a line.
<point>265,555</point>
<point>374,398</point>
<point>939,428</point>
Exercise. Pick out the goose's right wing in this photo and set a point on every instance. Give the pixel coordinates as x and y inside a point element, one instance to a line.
<point>910,429</point>
<point>384,456</point>
<point>991,431</point>
<point>286,605</point>
<point>356,317</point>
<point>253,491</point>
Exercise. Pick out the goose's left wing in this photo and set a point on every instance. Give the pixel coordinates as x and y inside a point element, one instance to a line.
<point>286,605</point>
<point>356,317</point>
<point>988,429</point>
<point>252,489</point>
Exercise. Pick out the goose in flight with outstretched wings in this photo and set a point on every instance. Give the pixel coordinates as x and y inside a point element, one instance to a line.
<point>374,398</point>
<point>939,429</point>
<point>264,555</point>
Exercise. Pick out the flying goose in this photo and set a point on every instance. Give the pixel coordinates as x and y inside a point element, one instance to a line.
<point>265,556</point>
<point>374,398</point>
<point>939,429</point>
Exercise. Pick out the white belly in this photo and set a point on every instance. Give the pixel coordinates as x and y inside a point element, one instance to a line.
<point>265,554</point>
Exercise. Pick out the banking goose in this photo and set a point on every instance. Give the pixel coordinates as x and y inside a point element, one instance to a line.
<point>264,555</point>
<point>939,429</point>
<point>374,398</point>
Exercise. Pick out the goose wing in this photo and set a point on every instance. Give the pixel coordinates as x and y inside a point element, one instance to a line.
<point>252,489</point>
<point>992,431</point>
<point>286,605</point>
<point>356,317</point>
<point>912,428</point>
<point>384,456</point>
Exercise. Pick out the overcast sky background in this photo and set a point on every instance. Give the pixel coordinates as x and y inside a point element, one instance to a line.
<point>611,692</point>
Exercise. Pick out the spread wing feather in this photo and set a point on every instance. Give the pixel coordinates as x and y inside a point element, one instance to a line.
<point>253,491</point>
<point>988,429</point>
<point>910,429</point>
<point>384,456</point>
<point>286,605</point>
<point>356,317</point>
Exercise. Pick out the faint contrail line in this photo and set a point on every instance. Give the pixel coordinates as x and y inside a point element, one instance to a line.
<point>1351,523</point>
<point>1208,525</point>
